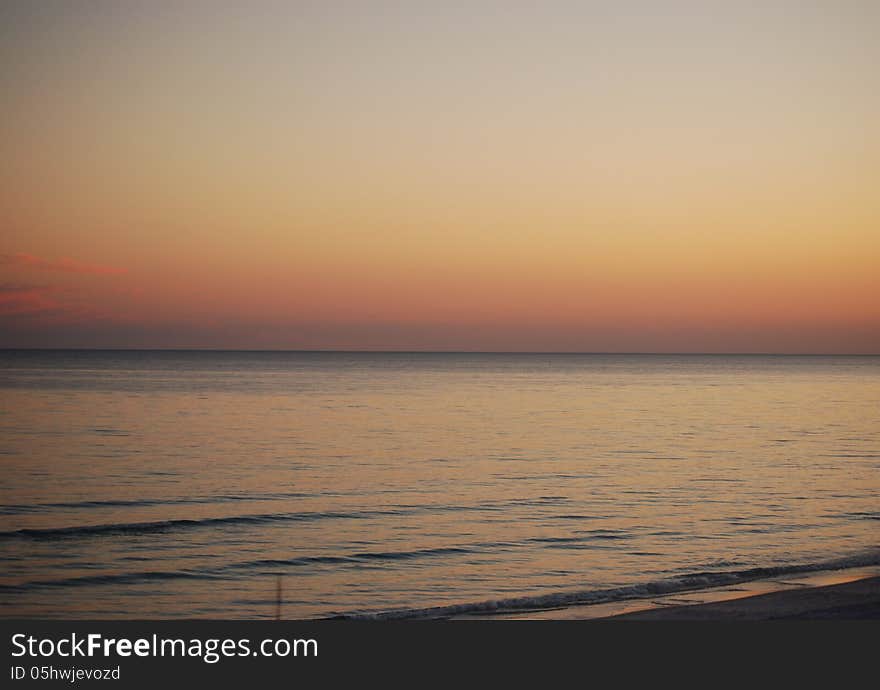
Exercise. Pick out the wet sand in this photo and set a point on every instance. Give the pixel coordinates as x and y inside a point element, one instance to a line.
<point>856,600</point>
<point>852,593</point>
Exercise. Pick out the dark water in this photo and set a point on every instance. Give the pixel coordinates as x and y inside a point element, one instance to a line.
<point>166,484</point>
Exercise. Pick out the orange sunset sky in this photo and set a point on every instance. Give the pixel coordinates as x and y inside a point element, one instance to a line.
<point>559,176</point>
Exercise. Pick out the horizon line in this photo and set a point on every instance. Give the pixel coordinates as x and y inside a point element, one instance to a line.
<point>438,352</point>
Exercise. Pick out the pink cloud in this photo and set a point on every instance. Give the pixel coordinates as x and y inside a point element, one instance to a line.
<point>26,300</point>
<point>64,264</point>
<point>22,303</point>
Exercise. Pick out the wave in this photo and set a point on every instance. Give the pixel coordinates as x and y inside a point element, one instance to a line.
<point>146,502</point>
<point>147,527</point>
<point>132,528</point>
<point>688,581</point>
<point>112,579</point>
<point>863,515</point>
<point>360,557</point>
<point>221,572</point>
<point>672,585</point>
<point>270,566</point>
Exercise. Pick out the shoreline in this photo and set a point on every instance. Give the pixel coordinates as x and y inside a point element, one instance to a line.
<point>854,600</point>
<point>849,593</point>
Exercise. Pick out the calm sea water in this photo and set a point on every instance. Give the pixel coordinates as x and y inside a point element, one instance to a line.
<point>183,484</point>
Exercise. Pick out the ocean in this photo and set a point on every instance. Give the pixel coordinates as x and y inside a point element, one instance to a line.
<point>194,484</point>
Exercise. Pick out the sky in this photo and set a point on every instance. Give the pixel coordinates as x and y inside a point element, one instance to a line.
<point>628,176</point>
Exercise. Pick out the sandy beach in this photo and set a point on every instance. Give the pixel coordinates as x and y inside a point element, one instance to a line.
<point>845,594</point>
<point>855,600</point>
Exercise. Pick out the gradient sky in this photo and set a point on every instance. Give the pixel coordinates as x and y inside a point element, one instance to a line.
<point>555,176</point>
